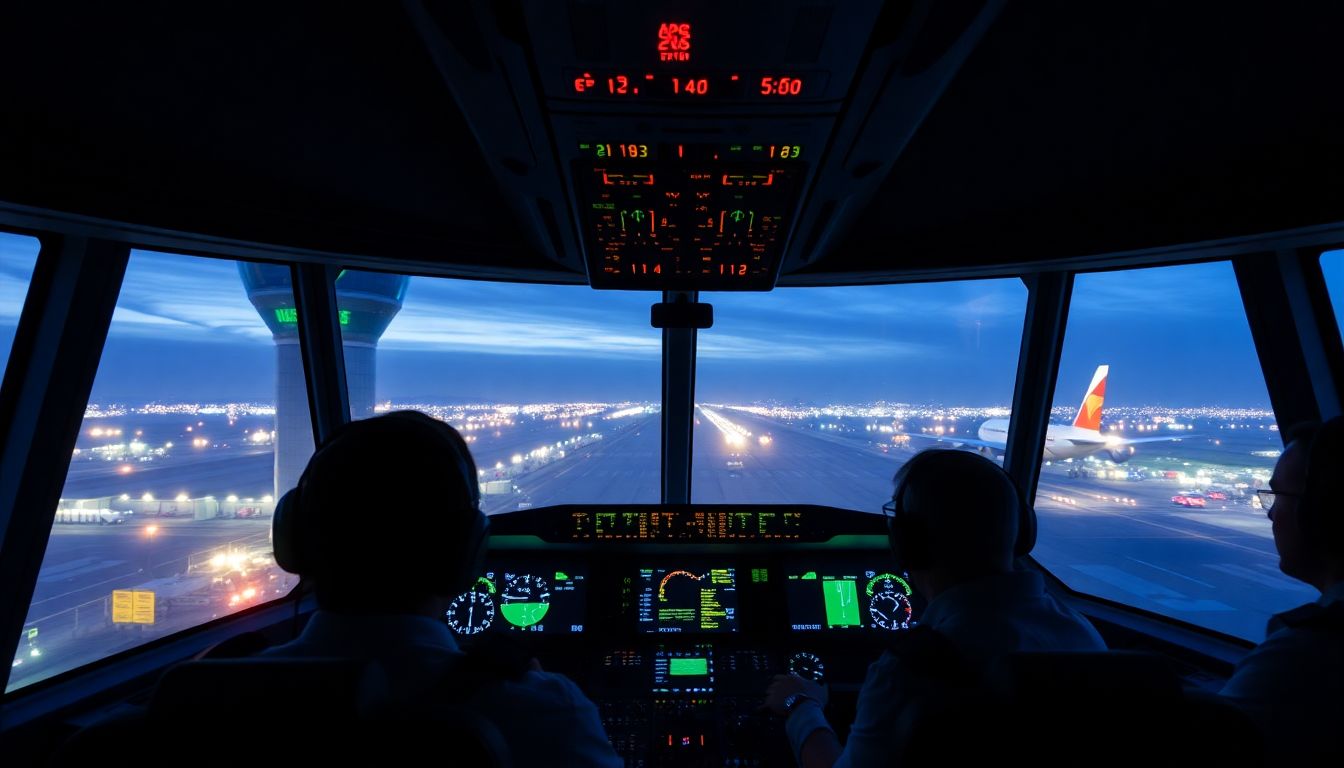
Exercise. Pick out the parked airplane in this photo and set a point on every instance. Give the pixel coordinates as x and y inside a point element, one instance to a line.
<point>1063,441</point>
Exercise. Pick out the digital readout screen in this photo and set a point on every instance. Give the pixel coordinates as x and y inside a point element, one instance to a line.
<point>680,600</point>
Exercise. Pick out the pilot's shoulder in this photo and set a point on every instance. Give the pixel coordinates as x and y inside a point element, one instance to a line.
<point>1312,617</point>
<point>542,690</point>
<point>931,652</point>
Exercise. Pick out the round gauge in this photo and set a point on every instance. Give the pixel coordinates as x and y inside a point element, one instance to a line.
<point>471,613</point>
<point>525,599</point>
<point>804,664</point>
<point>890,609</point>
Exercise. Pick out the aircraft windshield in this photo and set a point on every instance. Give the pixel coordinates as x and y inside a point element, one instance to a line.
<point>17,256</point>
<point>556,389</point>
<point>818,395</point>
<point>1160,436</point>
<point>164,521</point>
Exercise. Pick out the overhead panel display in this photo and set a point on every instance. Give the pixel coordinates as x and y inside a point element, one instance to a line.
<point>663,215</point>
<point>663,53</point>
<point>692,87</point>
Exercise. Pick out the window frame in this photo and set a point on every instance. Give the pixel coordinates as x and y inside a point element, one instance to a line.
<point>58,345</point>
<point>1291,274</point>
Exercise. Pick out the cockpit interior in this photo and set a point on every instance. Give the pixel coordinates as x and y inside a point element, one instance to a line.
<point>693,280</point>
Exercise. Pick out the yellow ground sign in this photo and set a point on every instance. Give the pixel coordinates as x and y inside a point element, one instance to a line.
<point>132,606</point>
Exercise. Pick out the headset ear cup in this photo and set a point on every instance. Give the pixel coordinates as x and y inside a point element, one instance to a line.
<point>473,563</point>
<point>284,533</point>
<point>900,535</point>
<point>912,544</point>
<point>1026,524</point>
<point>1321,523</point>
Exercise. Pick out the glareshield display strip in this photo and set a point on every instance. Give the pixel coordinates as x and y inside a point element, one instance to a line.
<point>844,599</point>
<point>532,599</point>
<point>672,600</point>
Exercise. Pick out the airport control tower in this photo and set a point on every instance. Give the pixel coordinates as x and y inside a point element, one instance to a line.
<point>367,303</point>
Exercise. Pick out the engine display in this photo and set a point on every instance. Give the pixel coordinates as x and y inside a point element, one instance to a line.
<point>849,601</point>
<point>672,600</point>
<point>533,600</point>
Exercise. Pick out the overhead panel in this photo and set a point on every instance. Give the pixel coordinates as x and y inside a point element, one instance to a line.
<point>689,133</point>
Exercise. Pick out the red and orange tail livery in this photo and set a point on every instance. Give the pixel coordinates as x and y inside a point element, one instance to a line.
<point>1089,413</point>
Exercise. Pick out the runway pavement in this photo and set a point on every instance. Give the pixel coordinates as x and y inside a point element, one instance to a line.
<point>1120,539</point>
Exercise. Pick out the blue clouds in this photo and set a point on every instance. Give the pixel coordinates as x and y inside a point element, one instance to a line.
<point>1173,335</point>
<point>17,256</point>
<point>167,297</point>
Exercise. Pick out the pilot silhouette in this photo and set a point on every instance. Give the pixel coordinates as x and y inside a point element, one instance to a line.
<point>1293,683</point>
<point>386,524</point>
<point>956,521</point>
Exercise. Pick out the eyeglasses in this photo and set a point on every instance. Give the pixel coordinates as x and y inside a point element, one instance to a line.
<point>1268,497</point>
<point>889,509</point>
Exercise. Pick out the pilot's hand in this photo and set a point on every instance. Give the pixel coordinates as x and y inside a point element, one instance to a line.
<point>784,686</point>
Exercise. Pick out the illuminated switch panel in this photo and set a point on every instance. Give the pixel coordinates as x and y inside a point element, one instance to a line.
<point>670,215</point>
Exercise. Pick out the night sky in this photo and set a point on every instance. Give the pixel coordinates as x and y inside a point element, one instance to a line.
<point>185,332</point>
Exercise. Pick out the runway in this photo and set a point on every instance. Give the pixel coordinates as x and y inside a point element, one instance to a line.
<point>1120,539</point>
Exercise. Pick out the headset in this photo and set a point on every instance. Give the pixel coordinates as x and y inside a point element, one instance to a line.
<point>909,537</point>
<point>294,531</point>
<point>1320,522</point>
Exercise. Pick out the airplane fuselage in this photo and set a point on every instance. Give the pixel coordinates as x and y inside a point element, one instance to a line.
<point>1062,441</point>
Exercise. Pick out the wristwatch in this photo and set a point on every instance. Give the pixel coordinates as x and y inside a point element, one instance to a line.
<point>792,701</point>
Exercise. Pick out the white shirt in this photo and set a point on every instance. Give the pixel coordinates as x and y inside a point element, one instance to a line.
<point>984,619</point>
<point>1292,685</point>
<point>543,717</point>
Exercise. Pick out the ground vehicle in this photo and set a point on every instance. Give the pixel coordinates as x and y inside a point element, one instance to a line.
<point>100,516</point>
<point>939,159</point>
<point>1189,499</point>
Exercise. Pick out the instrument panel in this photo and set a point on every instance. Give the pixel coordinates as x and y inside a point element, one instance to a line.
<point>674,619</point>
<point>679,214</point>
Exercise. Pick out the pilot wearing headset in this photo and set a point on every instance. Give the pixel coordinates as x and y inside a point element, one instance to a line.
<point>1293,683</point>
<point>386,525</point>
<point>956,523</point>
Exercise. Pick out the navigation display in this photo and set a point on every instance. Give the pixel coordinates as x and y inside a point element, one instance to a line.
<point>849,600</point>
<point>673,600</point>
<point>536,599</point>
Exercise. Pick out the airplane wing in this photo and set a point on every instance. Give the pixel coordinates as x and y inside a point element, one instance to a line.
<point>1117,442</point>
<point>957,441</point>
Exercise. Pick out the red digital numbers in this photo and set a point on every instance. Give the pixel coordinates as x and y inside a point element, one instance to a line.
<point>696,86</point>
<point>734,270</point>
<point>781,86</point>
<point>674,42</point>
<point>645,269</point>
<point>584,82</point>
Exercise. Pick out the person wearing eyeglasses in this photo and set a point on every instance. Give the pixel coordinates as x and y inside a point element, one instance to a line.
<point>1293,683</point>
<point>956,522</point>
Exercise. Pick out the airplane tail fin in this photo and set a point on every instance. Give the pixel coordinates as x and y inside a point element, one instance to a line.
<point>1089,413</point>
